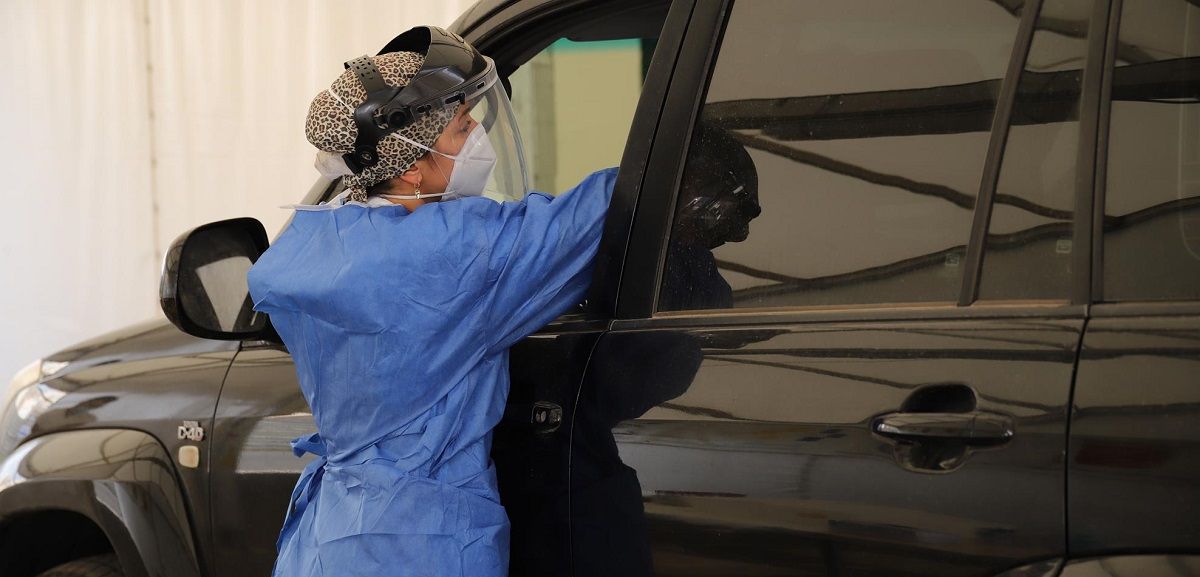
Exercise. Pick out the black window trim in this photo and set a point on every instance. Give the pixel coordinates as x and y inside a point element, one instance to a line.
<point>1001,119</point>
<point>1101,186</point>
<point>1088,182</point>
<point>638,288</point>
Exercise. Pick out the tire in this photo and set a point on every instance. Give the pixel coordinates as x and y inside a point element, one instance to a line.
<point>99,566</point>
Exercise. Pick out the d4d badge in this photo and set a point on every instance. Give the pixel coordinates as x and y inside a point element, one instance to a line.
<point>191,430</point>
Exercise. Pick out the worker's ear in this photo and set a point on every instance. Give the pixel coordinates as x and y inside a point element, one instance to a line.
<point>412,176</point>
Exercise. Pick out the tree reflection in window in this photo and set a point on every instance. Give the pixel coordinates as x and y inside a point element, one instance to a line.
<point>868,126</point>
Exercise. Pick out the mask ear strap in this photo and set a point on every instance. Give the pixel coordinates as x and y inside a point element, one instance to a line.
<point>423,147</point>
<point>412,196</point>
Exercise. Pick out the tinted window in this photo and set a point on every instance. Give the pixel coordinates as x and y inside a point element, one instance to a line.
<point>838,154</point>
<point>1028,249</point>
<point>1152,204</point>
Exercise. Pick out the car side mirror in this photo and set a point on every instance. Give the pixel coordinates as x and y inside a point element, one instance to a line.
<point>203,289</point>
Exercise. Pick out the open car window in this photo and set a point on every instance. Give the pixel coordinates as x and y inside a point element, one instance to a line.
<point>574,99</point>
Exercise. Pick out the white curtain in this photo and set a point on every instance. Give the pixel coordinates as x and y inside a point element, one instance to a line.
<point>127,122</point>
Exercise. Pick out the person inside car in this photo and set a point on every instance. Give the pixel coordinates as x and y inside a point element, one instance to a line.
<point>718,198</point>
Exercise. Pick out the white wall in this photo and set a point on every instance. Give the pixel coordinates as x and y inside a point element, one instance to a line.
<point>127,122</point>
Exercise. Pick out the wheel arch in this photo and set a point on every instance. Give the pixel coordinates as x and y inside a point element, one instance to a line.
<point>25,550</point>
<point>115,484</point>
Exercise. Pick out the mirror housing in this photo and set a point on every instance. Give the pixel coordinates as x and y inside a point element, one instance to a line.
<point>203,289</point>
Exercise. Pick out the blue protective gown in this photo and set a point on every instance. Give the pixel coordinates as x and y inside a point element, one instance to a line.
<point>399,324</point>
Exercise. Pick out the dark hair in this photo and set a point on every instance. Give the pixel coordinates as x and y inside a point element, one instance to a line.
<point>381,187</point>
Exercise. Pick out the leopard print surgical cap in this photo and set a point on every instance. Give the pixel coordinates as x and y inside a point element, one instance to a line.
<point>330,124</point>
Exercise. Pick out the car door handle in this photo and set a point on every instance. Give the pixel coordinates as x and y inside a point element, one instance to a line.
<point>973,428</point>
<point>540,417</point>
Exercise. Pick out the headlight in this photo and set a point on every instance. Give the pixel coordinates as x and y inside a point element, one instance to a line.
<point>26,398</point>
<point>28,375</point>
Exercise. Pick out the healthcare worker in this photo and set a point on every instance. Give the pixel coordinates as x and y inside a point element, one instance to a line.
<point>399,300</point>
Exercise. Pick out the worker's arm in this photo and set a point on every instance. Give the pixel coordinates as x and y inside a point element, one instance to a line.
<point>542,256</point>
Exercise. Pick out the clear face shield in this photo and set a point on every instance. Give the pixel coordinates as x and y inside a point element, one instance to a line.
<point>481,141</point>
<point>479,153</point>
<point>493,111</point>
<point>485,148</point>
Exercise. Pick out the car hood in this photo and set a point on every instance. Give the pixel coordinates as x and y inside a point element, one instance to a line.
<point>149,339</point>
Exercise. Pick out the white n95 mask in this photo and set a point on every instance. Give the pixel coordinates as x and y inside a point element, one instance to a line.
<point>331,165</point>
<point>473,167</point>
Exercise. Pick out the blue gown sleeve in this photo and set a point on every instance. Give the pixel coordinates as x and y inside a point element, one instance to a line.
<point>542,256</point>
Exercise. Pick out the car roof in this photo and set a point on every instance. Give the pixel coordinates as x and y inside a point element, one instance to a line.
<point>471,17</point>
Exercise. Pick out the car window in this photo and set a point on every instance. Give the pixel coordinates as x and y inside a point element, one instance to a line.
<point>1152,198</point>
<point>574,100</point>
<point>1028,251</point>
<point>838,154</point>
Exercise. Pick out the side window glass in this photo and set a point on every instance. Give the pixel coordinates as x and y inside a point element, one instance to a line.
<point>1152,199</point>
<point>1027,255</point>
<point>838,154</point>
<point>574,100</point>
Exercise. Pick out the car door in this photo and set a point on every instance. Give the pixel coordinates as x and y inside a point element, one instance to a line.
<point>851,308</point>
<point>576,72</point>
<point>1134,465</point>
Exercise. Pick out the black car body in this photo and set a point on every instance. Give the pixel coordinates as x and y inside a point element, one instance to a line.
<point>1023,400</point>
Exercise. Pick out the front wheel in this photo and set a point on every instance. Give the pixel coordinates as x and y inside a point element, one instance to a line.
<point>99,566</point>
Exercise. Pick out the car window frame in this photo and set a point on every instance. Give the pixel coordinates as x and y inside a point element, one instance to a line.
<point>638,301</point>
<point>1090,173</point>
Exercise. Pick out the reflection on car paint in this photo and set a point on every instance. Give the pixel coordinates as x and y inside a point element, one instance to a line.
<point>751,450</point>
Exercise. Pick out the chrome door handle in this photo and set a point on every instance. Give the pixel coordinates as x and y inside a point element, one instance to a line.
<point>975,428</point>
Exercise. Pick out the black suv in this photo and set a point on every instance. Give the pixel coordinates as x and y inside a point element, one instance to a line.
<point>957,332</point>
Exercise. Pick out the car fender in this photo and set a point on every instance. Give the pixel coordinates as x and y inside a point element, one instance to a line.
<point>122,480</point>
